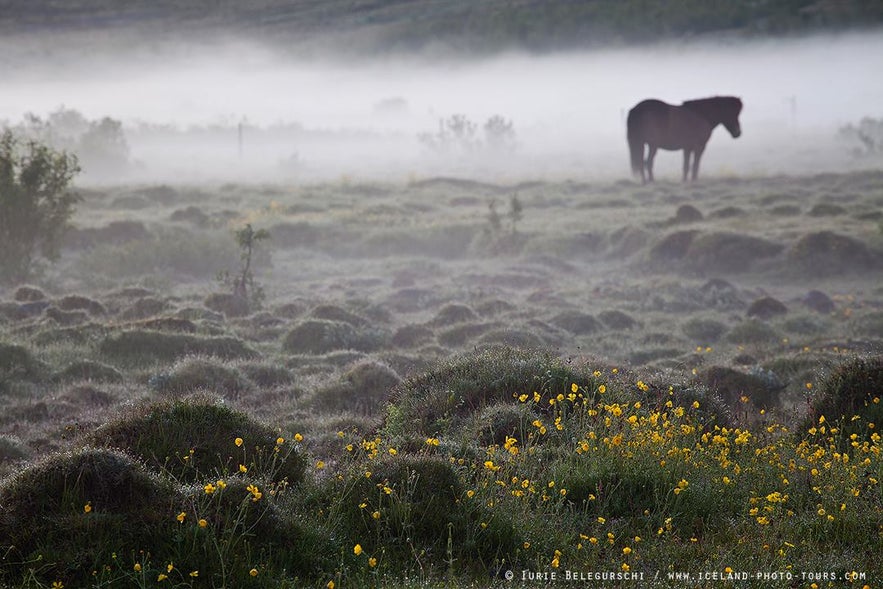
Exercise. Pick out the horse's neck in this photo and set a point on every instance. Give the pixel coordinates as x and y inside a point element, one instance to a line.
<point>706,110</point>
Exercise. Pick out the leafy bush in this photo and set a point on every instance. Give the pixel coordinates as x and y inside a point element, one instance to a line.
<point>35,204</point>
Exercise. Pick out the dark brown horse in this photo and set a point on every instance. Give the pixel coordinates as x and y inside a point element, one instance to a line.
<point>687,127</point>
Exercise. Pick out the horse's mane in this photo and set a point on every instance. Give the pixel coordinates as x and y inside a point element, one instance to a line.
<point>710,108</point>
<point>728,102</point>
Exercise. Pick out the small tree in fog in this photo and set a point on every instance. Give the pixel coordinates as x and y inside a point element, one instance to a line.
<point>499,135</point>
<point>35,204</point>
<point>245,288</point>
<point>456,133</point>
<point>103,147</point>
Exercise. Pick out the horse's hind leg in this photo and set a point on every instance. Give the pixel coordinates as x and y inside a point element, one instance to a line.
<point>687,163</point>
<point>651,154</point>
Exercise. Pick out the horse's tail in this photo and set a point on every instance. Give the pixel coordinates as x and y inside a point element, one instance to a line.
<point>636,144</point>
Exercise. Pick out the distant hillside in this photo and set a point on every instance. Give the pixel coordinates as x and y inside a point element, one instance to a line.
<point>488,25</point>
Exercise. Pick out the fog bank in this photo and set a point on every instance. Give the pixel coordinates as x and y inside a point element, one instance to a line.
<point>247,112</point>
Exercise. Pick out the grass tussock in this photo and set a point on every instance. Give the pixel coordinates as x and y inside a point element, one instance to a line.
<point>140,347</point>
<point>196,440</point>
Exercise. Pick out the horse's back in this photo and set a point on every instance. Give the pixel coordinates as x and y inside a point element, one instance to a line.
<point>649,105</point>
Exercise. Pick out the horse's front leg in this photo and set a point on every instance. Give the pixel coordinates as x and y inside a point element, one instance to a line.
<point>687,164</point>
<point>696,157</point>
<point>651,154</point>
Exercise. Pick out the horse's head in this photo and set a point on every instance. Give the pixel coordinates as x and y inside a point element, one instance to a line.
<point>732,106</point>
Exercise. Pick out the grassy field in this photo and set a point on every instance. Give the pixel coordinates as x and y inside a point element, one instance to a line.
<point>450,382</point>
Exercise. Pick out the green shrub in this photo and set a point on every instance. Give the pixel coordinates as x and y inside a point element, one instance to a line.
<point>194,440</point>
<point>35,204</point>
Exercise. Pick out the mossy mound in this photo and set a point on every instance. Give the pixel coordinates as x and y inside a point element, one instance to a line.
<point>336,313</point>
<point>320,336</point>
<point>364,389</point>
<point>452,314</point>
<point>439,400</point>
<point>143,308</point>
<point>425,506</point>
<point>760,387</point>
<point>576,322</point>
<point>194,440</point>
<point>139,347</point>
<point>826,253</point>
<point>673,246</point>
<point>616,319</point>
<point>227,304</point>
<point>766,308</point>
<point>193,374</point>
<point>853,389</point>
<point>728,253</point>
<point>267,375</point>
<point>81,303</point>
<point>753,332</point>
<point>90,371</point>
<point>703,331</point>
<point>495,423</point>
<point>73,510</point>
<point>412,336</point>
<point>17,362</point>
<point>28,294</point>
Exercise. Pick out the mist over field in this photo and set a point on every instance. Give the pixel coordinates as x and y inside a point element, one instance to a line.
<point>318,117</point>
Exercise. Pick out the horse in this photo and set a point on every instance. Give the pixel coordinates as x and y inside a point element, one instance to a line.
<point>688,127</point>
